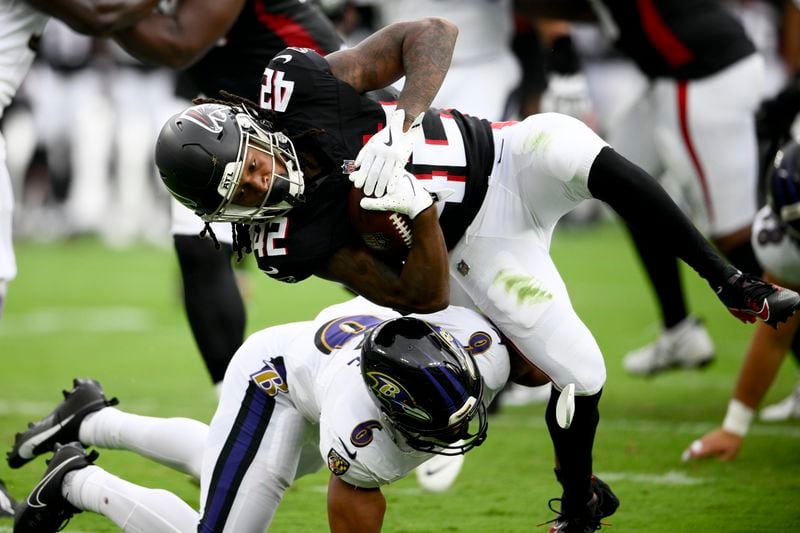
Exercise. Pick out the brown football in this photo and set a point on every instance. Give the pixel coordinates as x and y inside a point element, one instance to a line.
<point>386,233</point>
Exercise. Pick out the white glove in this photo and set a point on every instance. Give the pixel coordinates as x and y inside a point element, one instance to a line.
<point>382,160</point>
<point>568,94</point>
<point>409,197</point>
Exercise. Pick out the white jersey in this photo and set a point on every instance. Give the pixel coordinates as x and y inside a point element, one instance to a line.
<point>20,27</point>
<point>326,384</point>
<point>293,400</point>
<point>776,251</point>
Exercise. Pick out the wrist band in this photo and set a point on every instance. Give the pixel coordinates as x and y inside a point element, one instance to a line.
<point>738,418</point>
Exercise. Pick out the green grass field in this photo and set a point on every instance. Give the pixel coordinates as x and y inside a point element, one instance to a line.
<point>78,309</point>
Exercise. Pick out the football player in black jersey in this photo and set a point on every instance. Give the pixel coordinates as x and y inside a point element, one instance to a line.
<point>483,197</point>
<point>222,45</point>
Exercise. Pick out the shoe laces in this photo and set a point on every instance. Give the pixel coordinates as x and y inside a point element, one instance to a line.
<point>752,291</point>
<point>581,522</point>
<point>756,289</point>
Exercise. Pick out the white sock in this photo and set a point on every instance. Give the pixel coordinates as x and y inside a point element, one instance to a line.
<point>174,442</point>
<point>133,508</point>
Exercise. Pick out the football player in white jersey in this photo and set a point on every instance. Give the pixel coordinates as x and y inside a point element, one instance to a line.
<point>368,393</point>
<point>21,25</point>
<point>776,241</point>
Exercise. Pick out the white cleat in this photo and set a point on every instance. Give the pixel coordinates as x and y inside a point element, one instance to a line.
<point>786,409</point>
<point>685,345</point>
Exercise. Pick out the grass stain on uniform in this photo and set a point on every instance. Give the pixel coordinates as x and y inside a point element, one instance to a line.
<point>526,288</point>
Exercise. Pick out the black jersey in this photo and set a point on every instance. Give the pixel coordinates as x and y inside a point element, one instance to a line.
<point>298,86</point>
<point>263,28</point>
<point>680,39</point>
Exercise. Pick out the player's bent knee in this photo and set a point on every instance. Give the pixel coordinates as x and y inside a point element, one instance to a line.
<point>576,358</point>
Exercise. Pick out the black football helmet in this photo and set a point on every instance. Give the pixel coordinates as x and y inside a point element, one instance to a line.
<point>426,385</point>
<point>200,155</point>
<point>783,182</point>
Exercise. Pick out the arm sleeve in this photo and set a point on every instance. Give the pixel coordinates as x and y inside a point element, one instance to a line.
<point>647,208</point>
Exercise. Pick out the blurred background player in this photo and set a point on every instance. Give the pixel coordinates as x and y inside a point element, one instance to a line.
<point>776,239</point>
<point>21,26</point>
<point>93,110</point>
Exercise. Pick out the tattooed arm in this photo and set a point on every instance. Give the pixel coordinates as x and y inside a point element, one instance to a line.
<point>419,50</point>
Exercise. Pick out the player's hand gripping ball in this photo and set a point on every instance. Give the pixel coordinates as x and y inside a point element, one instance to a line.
<point>386,233</point>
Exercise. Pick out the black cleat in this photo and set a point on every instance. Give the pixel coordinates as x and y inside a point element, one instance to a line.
<point>62,424</point>
<point>607,501</point>
<point>748,298</point>
<point>588,518</point>
<point>7,502</point>
<point>45,509</point>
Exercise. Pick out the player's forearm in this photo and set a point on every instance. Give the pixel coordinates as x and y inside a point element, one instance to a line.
<point>354,510</point>
<point>181,37</point>
<point>96,17</point>
<point>155,40</point>
<point>425,276</point>
<point>421,285</point>
<point>765,354</point>
<point>427,52</point>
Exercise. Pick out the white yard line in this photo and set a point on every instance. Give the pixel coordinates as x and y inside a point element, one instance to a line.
<point>672,477</point>
<point>77,320</point>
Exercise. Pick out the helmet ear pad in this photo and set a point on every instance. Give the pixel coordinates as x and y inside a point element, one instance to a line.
<point>425,383</point>
<point>783,187</point>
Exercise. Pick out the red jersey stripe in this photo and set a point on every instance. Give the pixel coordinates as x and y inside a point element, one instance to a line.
<point>663,40</point>
<point>289,31</point>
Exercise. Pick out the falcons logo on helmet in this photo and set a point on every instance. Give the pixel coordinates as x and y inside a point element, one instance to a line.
<point>207,116</point>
